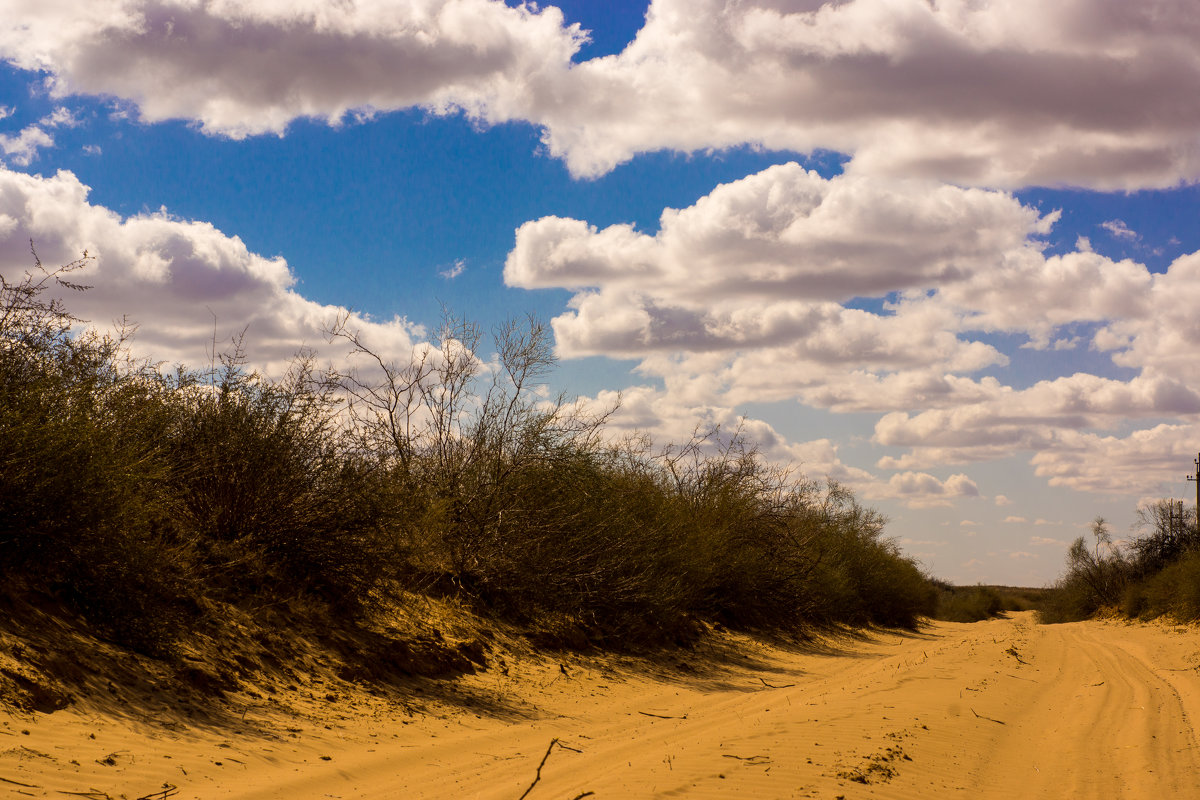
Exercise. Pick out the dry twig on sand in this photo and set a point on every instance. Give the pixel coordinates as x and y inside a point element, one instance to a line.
<point>18,783</point>
<point>756,760</point>
<point>989,719</point>
<point>538,775</point>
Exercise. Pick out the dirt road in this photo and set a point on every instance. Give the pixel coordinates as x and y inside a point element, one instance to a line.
<point>1000,709</point>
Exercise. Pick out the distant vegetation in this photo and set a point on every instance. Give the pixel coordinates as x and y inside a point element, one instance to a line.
<point>977,603</point>
<point>1155,574</point>
<point>147,500</point>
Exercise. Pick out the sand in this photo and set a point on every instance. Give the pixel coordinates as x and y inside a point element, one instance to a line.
<point>999,709</point>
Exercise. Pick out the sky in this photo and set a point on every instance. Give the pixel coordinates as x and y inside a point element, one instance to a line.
<point>945,252</point>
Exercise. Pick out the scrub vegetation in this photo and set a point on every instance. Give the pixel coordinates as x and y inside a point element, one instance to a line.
<point>1155,574</point>
<point>145,501</point>
<point>977,603</point>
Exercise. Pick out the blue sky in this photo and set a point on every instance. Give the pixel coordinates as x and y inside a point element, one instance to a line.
<point>959,281</point>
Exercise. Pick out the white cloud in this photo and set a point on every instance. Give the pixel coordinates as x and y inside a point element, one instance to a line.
<point>1037,417</point>
<point>1001,92</point>
<point>793,236</point>
<point>176,280</point>
<point>743,297</point>
<point>1042,540</point>
<point>454,270</point>
<point>1145,462</point>
<point>23,148</point>
<point>1015,520</point>
<point>1002,500</point>
<point>922,490</point>
<point>1119,230</point>
<point>765,262</point>
<point>60,117</point>
<point>1163,336</point>
<point>244,67</point>
<point>671,417</point>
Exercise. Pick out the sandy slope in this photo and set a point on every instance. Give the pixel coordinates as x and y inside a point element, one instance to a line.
<point>998,709</point>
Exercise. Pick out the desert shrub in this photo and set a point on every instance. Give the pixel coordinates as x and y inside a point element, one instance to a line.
<point>132,493</point>
<point>1094,579</point>
<point>1172,591</point>
<point>1168,532</point>
<point>968,604</point>
<point>264,493</point>
<point>140,496</point>
<point>81,468</point>
<point>1156,573</point>
<point>520,504</point>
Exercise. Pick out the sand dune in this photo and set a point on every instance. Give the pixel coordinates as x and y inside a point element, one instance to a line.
<point>998,709</point>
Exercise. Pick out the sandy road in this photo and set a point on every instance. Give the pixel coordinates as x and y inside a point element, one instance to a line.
<point>998,709</point>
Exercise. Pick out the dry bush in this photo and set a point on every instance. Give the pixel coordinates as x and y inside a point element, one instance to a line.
<point>141,496</point>
<point>132,494</point>
<point>520,503</point>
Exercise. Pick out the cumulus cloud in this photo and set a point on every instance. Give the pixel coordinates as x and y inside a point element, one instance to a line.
<point>1163,337</point>
<point>23,148</point>
<point>759,293</point>
<point>1147,461</point>
<point>180,282</point>
<point>671,417</point>
<point>1002,92</point>
<point>763,269</point>
<point>922,490</point>
<point>768,260</point>
<point>792,234</point>
<point>1035,418</point>
<point>243,67</point>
